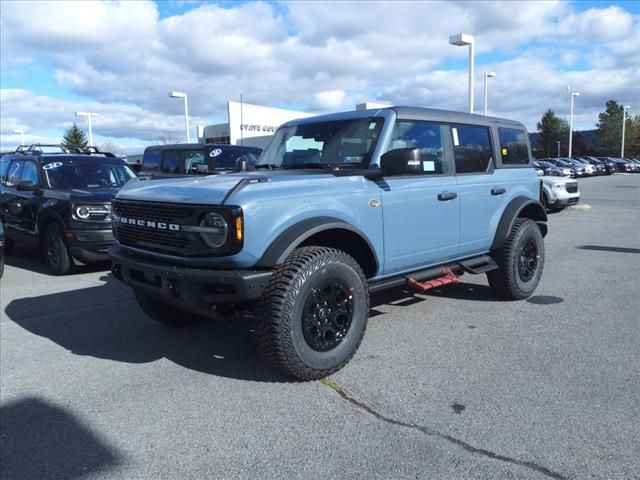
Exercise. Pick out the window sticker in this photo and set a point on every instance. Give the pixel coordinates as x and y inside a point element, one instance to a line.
<point>456,142</point>
<point>372,125</point>
<point>215,153</point>
<point>51,166</point>
<point>429,166</point>
<point>504,152</point>
<point>353,159</point>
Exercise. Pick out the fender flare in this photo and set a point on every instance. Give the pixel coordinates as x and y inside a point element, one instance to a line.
<point>293,236</point>
<point>45,216</point>
<point>514,210</point>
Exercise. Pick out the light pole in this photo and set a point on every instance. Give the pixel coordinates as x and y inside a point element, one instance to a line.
<point>183,95</point>
<point>88,115</point>
<point>487,75</point>
<point>624,121</point>
<point>558,144</point>
<point>21,132</point>
<point>572,95</point>
<point>461,40</point>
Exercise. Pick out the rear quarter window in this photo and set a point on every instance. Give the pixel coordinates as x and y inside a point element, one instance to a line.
<point>513,146</point>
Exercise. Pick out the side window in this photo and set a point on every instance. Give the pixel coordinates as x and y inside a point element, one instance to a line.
<point>30,173</point>
<point>192,158</point>
<point>13,175</point>
<point>151,160</point>
<point>427,137</point>
<point>472,148</point>
<point>513,146</point>
<point>171,161</point>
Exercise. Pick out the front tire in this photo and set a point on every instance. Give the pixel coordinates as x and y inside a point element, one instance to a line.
<point>56,253</point>
<point>313,314</point>
<point>520,261</point>
<point>165,313</point>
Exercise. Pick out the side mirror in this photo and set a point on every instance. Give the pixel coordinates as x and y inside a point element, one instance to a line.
<point>401,161</point>
<point>27,186</point>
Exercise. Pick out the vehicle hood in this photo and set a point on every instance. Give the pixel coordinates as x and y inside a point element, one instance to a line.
<point>208,190</point>
<point>99,195</point>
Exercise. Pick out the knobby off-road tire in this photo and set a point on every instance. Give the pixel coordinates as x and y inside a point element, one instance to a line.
<point>313,314</point>
<point>56,253</point>
<point>520,261</point>
<point>165,313</point>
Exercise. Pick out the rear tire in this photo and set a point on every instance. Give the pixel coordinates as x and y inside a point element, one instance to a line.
<point>165,313</point>
<point>520,261</point>
<point>56,253</point>
<point>313,313</point>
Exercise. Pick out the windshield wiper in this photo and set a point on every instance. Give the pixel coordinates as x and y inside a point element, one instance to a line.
<point>270,166</point>
<point>300,166</point>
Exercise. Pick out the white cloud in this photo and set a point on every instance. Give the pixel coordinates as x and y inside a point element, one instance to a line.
<point>321,56</point>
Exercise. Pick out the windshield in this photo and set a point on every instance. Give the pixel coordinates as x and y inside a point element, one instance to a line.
<point>67,176</point>
<point>343,143</point>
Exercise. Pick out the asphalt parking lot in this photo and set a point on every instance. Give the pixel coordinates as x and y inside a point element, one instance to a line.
<point>449,385</point>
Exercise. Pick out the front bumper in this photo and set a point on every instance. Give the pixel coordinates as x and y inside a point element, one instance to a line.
<point>565,202</point>
<point>90,245</point>
<point>193,289</point>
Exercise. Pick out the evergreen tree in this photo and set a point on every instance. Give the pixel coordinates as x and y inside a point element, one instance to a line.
<point>608,137</point>
<point>553,129</point>
<point>74,138</point>
<point>632,146</point>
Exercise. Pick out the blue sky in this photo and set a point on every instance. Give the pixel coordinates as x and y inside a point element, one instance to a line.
<point>121,58</point>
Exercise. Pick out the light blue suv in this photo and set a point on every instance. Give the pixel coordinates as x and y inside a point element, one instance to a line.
<point>338,206</point>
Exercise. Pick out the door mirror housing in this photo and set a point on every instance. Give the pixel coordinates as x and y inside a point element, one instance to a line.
<point>401,161</point>
<point>27,186</point>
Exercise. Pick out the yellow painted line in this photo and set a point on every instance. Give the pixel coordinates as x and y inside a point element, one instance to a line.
<point>329,383</point>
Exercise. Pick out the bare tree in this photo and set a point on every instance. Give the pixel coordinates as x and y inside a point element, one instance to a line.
<point>109,146</point>
<point>167,138</point>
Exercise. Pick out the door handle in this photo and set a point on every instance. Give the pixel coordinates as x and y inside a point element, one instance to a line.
<point>443,197</point>
<point>497,191</point>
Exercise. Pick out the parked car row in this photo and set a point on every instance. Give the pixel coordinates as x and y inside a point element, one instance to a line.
<point>574,167</point>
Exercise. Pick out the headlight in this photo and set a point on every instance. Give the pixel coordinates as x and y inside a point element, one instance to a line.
<point>91,213</point>
<point>559,186</point>
<point>213,230</point>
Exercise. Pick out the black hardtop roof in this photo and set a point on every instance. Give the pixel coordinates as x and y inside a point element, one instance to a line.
<point>197,146</point>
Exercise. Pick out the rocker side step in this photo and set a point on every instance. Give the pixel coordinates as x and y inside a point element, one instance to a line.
<point>448,279</point>
<point>479,265</point>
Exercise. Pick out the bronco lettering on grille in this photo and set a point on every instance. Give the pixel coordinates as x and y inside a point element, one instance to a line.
<point>150,224</point>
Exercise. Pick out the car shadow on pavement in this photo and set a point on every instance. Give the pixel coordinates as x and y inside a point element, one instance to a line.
<point>28,258</point>
<point>105,322</point>
<point>40,440</point>
<point>403,297</point>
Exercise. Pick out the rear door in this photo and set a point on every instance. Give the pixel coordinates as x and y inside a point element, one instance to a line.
<point>9,200</point>
<point>483,190</point>
<point>421,212</point>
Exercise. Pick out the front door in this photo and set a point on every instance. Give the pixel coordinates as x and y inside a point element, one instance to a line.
<point>421,212</point>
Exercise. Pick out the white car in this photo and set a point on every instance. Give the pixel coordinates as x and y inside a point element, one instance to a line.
<point>559,192</point>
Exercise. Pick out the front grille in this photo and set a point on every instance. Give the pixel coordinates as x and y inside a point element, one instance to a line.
<point>572,187</point>
<point>165,240</point>
<point>152,211</point>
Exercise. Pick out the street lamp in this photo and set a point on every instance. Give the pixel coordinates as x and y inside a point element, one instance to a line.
<point>183,95</point>
<point>21,132</point>
<point>88,115</point>
<point>572,95</point>
<point>487,75</point>
<point>624,121</point>
<point>460,40</point>
<point>558,144</point>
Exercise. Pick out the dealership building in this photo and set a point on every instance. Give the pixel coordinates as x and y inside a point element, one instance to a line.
<point>255,124</point>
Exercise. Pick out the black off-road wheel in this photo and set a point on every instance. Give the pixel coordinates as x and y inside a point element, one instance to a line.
<point>56,253</point>
<point>520,261</point>
<point>313,314</point>
<point>165,313</point>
